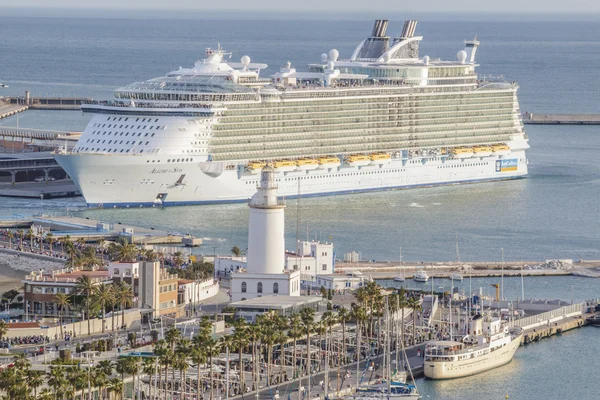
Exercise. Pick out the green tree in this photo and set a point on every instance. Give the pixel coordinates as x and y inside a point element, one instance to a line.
<point>103,296</point>
<point>10,236</point>
<point>115,385</point>
<point>307,315</point>
<point>414,304</point>
<point>62,302</point>
<point>236,251</point>
<point>3,328</point>
<point>86,287</point>
<point>124,296</point>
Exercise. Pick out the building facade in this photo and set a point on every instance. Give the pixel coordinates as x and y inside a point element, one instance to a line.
<point>40,289</point>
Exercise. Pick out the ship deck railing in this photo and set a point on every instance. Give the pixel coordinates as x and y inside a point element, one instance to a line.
<point>137,104</point>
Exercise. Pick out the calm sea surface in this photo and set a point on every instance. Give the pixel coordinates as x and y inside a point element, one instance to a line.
<point>553,213</point>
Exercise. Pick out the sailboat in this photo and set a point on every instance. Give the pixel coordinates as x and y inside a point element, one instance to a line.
<point>400,278</point>
<point>393,386</point>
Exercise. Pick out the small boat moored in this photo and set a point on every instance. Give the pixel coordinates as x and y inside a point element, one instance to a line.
<point>421,276</point>
<point>594,320</point>
<point>455,276</point>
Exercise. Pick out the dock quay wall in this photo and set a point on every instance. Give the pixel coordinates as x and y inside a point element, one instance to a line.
<point>554,329</point>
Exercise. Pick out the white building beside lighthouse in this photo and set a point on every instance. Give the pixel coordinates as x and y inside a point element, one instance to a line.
<point>266,272</point>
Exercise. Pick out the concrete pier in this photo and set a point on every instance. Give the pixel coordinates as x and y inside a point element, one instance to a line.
<point>11,109</point>
<point>92,230</point>
<point>555,328</point>
<point>561,119</point>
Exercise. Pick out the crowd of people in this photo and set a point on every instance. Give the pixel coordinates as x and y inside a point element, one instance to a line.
<point>7,343</point>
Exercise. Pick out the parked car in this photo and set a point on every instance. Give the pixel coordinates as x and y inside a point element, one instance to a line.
<point>39,179</point>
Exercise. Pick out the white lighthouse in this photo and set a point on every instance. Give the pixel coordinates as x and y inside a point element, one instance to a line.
<point>266,242</point>
<point>265,274</point>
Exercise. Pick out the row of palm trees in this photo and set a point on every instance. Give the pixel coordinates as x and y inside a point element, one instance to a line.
<point>273,341</point>
<point>266,351</point>
<point>20,381</point>
<point>96,297</point>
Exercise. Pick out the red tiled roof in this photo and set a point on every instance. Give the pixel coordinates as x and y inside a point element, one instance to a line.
<point>23,325</point>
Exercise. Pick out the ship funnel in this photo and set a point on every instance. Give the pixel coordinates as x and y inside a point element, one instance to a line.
<point>379,28</point>
<point>409,28</point>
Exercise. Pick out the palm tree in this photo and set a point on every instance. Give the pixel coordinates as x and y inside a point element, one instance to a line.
<point>343,315</point>
<point>3,328</point>
<point>103,296</point>
<point>402,305</point>
<point>86,287</point>
<point>212,347</point>
<point>134,365</point>
<point>81,242</point>
<point>123,252</point>
<point>236,251</point>
<point>101,243</point>
<point>124,296</point>
<point>121,367</point>
<point>10,236</point>
<point>162,351</point>
<point>177,259</point>
<point>307,316</point>
<point>198,356</point>
<point>149,369</point>
<point>29,235</point>
<point>359,313</point>
<point>90,259</point>
<point>46,394</point>
<point>35,380</point>
<point>180,362</point>
<point>62,302</point>
<point>295,332</point>
<point>56,379</point>
<point>240,340</point>
<point>50,240</point>
<point>21,234</point>
<point>98,379</point>
<point>64,242</point>
<point>415,305</point>
<point>115,385</point>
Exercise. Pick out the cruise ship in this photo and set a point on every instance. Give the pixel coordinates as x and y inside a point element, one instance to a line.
<point>384,118</point>
<point>490,345</point>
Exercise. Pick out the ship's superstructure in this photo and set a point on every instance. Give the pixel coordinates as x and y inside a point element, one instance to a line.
<point>489,345</point>
<point>385,118</point>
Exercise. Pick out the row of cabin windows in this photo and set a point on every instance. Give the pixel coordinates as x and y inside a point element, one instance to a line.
<point>126,119</point>
<point>126,126</point>
<point>121,133</point>
<point>259,287</point>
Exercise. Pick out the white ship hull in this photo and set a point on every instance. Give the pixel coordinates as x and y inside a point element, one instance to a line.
<point>144,181</point>
<point>472,366</point>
